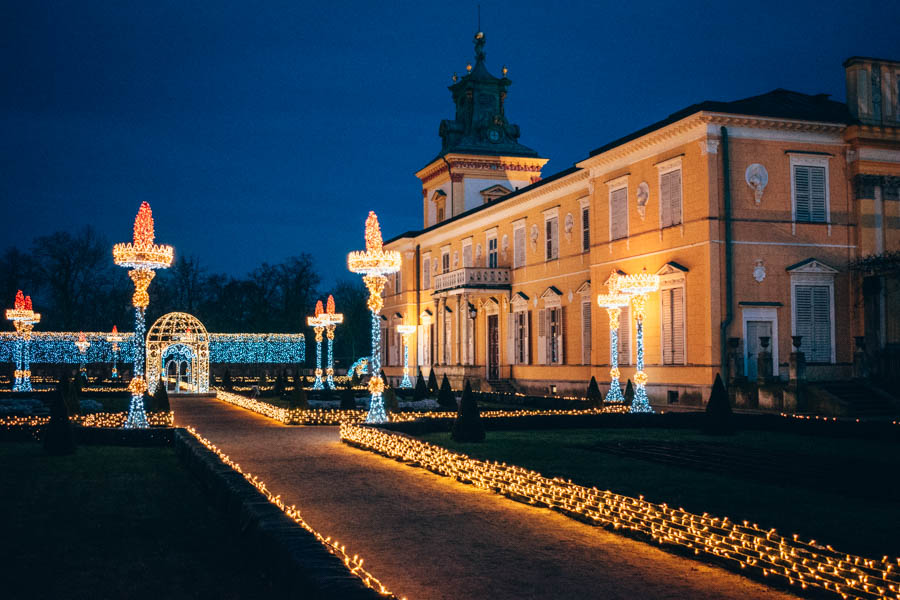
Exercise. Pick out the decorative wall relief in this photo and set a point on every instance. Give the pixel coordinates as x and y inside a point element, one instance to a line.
<point>504,245</point>
<point>643,197</point>
<point>569,226</point>
<point>757,178</point>
<point>759,271</point>
<point>534,237</point>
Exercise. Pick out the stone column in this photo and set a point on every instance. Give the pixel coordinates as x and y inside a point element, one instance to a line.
<point>437,357</point>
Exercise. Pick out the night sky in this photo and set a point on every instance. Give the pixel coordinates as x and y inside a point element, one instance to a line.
<point>258,130</point>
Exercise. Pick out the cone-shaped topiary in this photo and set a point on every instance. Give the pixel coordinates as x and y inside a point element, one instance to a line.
<point>446,398</point>
<point>298,398</point>
<point>348,399</point>
<point>468,426</point>
<point>421,390</point>
<point>718,419</point>
<point>354,379</point>
<point>161,398</point>
<point>279,385</point>
<point>69,391</point>
<point>226,381</point>
<point>594,397</point>
<point>432,383</point>
<point>629,393</point>
<point>390,400</point>
<point>58,439</point>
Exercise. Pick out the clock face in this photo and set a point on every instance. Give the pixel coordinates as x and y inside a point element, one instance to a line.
<point>493,135</point>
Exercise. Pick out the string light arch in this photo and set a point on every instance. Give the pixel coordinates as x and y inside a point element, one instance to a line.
<point>185,331</point>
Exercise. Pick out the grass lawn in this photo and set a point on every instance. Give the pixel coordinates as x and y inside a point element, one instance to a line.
<point>112,522</point>
<point>851,524</point>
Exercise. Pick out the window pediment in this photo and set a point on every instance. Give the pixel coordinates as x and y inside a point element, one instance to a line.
<point>811,266</point>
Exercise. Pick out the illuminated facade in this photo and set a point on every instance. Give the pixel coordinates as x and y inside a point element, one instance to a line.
<point>750,213</point>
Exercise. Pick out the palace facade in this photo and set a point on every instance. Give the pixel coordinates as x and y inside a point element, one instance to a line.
<point>753,212</point>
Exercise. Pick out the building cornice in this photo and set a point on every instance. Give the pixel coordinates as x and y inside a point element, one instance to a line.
<point>507,164</point>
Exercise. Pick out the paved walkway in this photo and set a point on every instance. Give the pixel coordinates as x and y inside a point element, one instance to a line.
<point>427,537</point>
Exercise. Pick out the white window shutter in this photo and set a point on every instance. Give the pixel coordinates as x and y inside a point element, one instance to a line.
<point>510,346</point>
<point>670,197</point>
<point>542,337</point>
<point>467,255</point>
<point>817,194</point>
<point>586,332</point>
<point>561,336</point>
<point>625,336</point>
<point>426,272</point>
<point>528,337</point>
<point>665,312</point>
<point>618,201</point>
<point>803,324</point>
<point>801,193</point>
<point>821,306</point>
<point>665,200</point>
<point>678,357</point>
<point>585,229</point>
<point>519,249</point>
<point>554,226</point>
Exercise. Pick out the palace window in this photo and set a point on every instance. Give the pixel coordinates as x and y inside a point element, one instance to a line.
<point>618,213</point>
<point>467,252</point>
<point>670,205</point>
<point>551,328</point>
<point>551,230</point>
<point>809,188</point>
<point>519,244</point>
<point>492,251</point>
<point>672,317</point>
<point>397,282</point>
<point>445,260</point>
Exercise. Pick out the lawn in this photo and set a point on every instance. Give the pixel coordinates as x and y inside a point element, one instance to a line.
<point>112,522</point>
<point>851,521</point>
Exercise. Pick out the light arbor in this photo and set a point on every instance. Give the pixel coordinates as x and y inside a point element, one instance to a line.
<point>374,265</point>
<point>142,257</point>
<point>639,286</point>
<point>406,331</point>
<point>114,339</point>
<point>613,303</point>
<point>24,319</point>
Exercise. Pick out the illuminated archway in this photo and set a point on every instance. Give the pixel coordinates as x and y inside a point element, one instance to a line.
<point>182,339</point>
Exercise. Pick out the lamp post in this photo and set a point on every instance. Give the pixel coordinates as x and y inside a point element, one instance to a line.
<point>374,265</point>
<point>114,338</point>
<point>318,325</point>
<point>639,287</point>
<point>406,331</point>
<point>82,344</point>
<point>331,320</point>
<point>24,319</point>
<point>142,257</point>
<point>613,303</point>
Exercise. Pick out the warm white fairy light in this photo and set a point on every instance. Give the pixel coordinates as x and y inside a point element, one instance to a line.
<point>405,331</point>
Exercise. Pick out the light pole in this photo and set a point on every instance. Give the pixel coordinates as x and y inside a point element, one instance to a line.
<point>318,325</point>
<point>374,265</point>
<point>406,331</point>
<point>331,320</point>
<point>142,257</point>
<point>82,344</point>
<point>114,338</point>
<point>613,303</point>
<point>639,287</point>
<point>24,319</point>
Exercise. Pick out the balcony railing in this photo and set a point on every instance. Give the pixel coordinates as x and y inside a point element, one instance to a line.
<point>473,278</point>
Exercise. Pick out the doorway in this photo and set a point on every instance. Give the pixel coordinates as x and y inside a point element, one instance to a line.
<point>759,322</point>
<point>756,330</point>
<point>493,354</point>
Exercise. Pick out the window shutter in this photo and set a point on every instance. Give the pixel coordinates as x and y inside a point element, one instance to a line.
<point>625,336</point>
<point>817,194</point>
<point>561,336</point>
<point>678,326</point>
<point>519,243</point>
<point>665,312</point>
<point>586,332</point>
<point>801,193</point>
<point>467,255</point>
<point>803,325</point>
<point>510,339</point>
<point>542,337</point>
<point>585,229</point>
<point>821,324</point>
<point>554,245</point>
<point>426,272</point>
<point>618,202</point>
<point>670,197</point>
<point>528,337</point>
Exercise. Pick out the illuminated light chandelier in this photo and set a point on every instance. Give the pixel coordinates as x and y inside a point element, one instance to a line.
<point>318,325</point>
<point>374,265</point>
<point>639,286</point>
<point>115,338</point>
<point>82,344</point>
<point>406,331</point>
<point>142,257</point>
<point>613,303</point>
<point>23,319</point>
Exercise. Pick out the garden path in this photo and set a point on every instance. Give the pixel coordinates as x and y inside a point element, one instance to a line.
<point>428,537</point>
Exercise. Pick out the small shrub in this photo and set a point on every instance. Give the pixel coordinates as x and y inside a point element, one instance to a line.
<point>594,396</point>
<point>226,381</point>
<point>280,385</point>
<point>58,439</point>
<point>354,379</point>
<point>446,398</point>
<point>161,398</point>
<point>432,383</point>
<point>298,398</point>
<point>629,393</point>
<point>468,426</point>
<point>718,419</point>
<point>420,390</point>
<point>390,400</point>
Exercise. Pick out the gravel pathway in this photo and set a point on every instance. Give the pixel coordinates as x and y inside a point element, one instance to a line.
<point>427,537</point>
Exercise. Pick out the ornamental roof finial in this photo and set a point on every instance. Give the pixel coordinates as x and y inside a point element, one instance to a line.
<point>479,47</point>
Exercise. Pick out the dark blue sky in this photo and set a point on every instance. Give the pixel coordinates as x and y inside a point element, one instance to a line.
<point>258,130</point>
